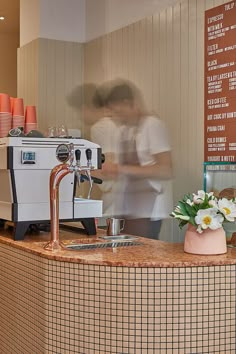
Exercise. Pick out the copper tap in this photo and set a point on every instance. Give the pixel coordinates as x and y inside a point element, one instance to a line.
<point>57,174</point>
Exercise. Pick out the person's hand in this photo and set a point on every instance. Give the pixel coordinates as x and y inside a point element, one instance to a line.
<point>110,169</point>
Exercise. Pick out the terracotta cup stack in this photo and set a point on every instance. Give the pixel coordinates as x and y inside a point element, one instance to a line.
<point>30,119</point>
<point>11,103</point>
<point>5,114</point>
<point>18,118</point>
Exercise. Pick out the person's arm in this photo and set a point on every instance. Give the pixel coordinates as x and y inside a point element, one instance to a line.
<point>109,158</point>
<point>160,169</point>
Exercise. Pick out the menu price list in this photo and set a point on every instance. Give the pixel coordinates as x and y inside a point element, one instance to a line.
<point>220,84</point>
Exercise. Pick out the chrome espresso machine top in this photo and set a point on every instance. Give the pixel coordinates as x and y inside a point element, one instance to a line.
<point>25,167</point>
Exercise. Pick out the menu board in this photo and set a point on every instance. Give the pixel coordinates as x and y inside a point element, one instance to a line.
<point>220,84</point>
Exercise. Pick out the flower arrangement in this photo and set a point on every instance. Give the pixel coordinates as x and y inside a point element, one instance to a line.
<point>204,210</point>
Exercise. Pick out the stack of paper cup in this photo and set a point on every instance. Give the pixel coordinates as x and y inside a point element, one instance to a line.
<point>5,115</point>
<point>30,119</point>
<point>12,103</point>
<point>18,118</point>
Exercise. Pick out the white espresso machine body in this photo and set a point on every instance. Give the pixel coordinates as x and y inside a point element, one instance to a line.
<point>25,167</point>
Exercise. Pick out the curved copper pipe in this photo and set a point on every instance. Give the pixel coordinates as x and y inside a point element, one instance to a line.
<point>57,174</point>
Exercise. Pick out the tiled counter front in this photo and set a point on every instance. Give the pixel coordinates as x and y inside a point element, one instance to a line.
<point>49,306</point>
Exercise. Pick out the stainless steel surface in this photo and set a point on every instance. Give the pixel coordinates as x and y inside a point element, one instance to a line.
<point>119,238</point>
<point>115,226</point>
<point>90,246</point>
<point>90,184</point>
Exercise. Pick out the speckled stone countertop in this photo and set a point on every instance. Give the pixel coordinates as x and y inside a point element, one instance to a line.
<point>150,253</point>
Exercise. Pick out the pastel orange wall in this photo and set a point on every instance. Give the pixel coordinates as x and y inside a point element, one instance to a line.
<point>9,43</point>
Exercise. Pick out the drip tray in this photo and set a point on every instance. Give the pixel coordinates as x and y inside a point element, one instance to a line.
<point>119,238</point>
<point>91,246</point>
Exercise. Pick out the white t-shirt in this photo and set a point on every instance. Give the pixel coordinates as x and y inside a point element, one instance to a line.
<point>105,132</point>
<point>149,197</point>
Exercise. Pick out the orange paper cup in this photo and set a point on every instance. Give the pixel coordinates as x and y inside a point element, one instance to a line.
<point>11,104</point>
<point>5,103</point>
<point>18,122</point>
<point>30,114</point>
<point>29,127</point>
<point>18,107</point>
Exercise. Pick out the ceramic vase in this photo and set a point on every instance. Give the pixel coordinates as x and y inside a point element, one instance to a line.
<point>209,242</point>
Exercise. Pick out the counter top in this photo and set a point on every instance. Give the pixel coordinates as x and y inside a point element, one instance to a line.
<point>150,253</point>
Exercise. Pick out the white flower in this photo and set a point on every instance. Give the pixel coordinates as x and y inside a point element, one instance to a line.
<point>189,202</point>
<point>210,195</point>
<point>213,203</point>
<point>204,210</point>
<point>227,208</point>
<point>199,197</point>
<point>208,218</point>
<point>199,229</point>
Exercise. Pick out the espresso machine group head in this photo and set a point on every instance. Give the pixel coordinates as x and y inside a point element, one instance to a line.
<point>25,168</point>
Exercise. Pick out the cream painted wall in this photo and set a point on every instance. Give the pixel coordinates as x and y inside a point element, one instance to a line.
<point>8,62</point>
<point>29,20</point>
<point>63,20</point>
<point>47,72</point>
<point>55,19</point>
<point>104,16</point>
<point>164,55</point>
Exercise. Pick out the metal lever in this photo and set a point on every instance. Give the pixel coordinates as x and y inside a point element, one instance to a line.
<point>88,153</point>
<point>71,154</point>
<point>84,177</point>
<point>77,158</point>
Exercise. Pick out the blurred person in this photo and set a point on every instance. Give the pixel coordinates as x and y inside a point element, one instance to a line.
<point>105,132</point>
<point>144,170</point>
<point>90,100</point>
<point>81,98</point>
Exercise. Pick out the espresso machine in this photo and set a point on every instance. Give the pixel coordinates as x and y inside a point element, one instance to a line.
<point>25,167</point>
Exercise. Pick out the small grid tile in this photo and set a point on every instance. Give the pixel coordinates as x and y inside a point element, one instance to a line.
<point>53,307</point>
<point>22,302</point>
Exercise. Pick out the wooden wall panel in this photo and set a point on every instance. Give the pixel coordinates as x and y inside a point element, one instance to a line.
<point>164,56</point>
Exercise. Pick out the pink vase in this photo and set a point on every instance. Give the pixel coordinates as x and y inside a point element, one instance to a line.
<point>209,242</point>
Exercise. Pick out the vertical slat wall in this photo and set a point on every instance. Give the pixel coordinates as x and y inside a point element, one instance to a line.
<point>164,55</point>
<point>27,73</point>
<point>47,72</point>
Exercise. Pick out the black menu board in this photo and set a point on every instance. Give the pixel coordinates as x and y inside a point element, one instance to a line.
<point>220,84</point>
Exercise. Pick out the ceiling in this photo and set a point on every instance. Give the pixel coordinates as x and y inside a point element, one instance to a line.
<point>11,10</point>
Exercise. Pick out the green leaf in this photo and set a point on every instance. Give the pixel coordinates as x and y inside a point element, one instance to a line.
<point>183,208</point>
<point>190,210</point>
<point>192,221</point>
<point>182,224</point>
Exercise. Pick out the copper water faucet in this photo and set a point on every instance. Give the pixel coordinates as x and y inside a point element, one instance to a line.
<point>57,174</point>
